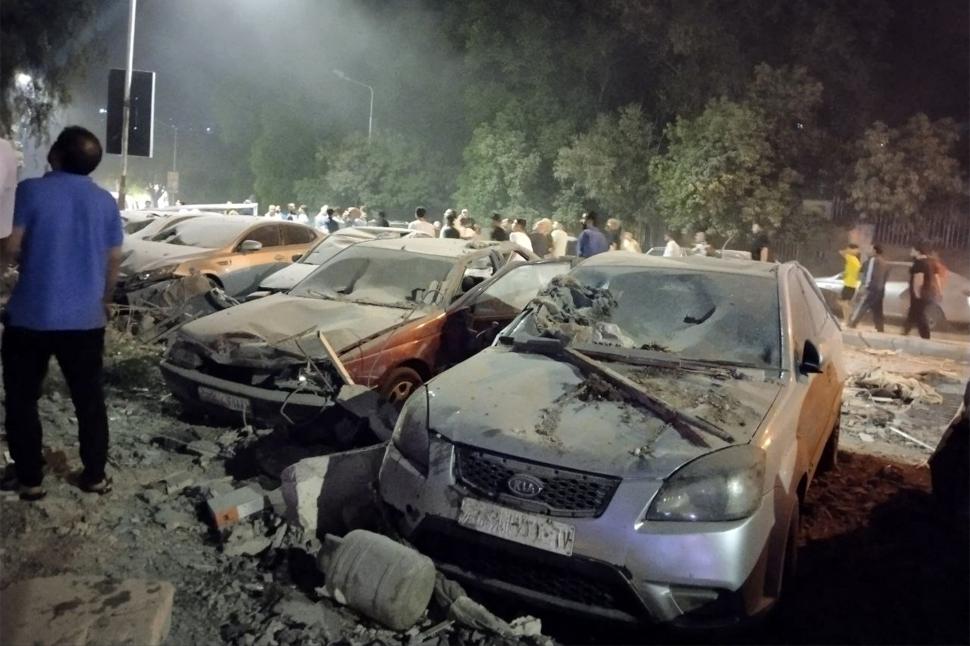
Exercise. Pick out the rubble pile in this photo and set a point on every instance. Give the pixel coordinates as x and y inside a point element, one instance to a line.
<point>576,313</point>
<point>155,312</point>
<point>233,521</point>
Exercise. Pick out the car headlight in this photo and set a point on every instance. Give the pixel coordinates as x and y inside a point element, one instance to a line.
<point>156,274</point>
<point>411,431</point>
<point>725,485</point>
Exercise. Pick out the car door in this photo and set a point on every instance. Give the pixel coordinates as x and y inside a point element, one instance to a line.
<point>476,318</point>
<point>812,322</point>
<point>247,267</point>
<point>895,301</point>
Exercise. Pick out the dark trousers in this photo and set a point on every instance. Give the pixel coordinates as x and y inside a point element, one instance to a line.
<point>917,317</point>
<point>872,302</point>
<point>26,355</point>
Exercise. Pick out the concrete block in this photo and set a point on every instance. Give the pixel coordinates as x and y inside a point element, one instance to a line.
<point>85,610</point>
<point>235,505</point>
<point>333,494</point>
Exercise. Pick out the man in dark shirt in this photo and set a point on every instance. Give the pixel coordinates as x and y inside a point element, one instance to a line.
<point>874,274</point>
<point>67,238</point>
<point>382,219</point>
<point>499,234</point>
<point>591,241</point>
<point>759,245</point>
<point>922,289</point>
<point>449,230</point>
<point>332,225</point>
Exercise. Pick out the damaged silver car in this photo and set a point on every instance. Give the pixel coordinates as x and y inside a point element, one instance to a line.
<point>635,445</point>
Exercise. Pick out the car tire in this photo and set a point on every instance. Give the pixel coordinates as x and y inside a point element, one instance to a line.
<point>935,317</point>
<point>830,454</point>
<point>399,384</point>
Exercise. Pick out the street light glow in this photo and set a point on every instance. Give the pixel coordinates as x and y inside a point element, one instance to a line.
<point>23,79</point>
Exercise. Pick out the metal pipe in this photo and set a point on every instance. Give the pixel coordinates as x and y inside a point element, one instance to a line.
<point>126,112</point>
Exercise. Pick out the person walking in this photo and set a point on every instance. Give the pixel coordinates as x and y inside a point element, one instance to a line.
<point>630,244</point>
<point>922,287</point>
<point>850,277</point>
<point>672,248</point>
<point>591,241</point>
<point>382,220</point>
<point>875,272</point>
<point>540,237</point>
<point>449,230</point>
<point>420,222</point>
<point>67,237</point>
<point>614,233</point>
<point>560,240</point>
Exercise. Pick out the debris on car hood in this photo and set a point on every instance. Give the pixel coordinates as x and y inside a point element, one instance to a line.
<point>276,319</point>
<point>541,408</point>
<point>571,312</point>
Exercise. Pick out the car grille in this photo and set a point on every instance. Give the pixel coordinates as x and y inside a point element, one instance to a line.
<point>564,492</point>
<point>569,582</point>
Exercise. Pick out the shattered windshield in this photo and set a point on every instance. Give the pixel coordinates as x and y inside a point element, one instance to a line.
<point>694,315</point>
<point>208,233</point>
<point>330,247</point>
<point>379,276</point>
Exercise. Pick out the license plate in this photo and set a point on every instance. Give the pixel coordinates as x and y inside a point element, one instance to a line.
<point>525,529</point>
<point>231,402</point>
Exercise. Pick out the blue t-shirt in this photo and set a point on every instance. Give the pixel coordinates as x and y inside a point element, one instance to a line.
<point>69,225</point>
<point>591,242</point>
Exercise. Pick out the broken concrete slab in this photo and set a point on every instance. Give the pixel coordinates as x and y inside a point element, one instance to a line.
<point>229,508</point>
<point>333,494</point>
<point>80,610</point>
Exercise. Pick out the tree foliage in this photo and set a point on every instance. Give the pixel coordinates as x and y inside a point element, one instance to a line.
<point>50,42</point>
<point>902,171</point>
<point>609,165</point>
<point>392,172</point>
<point>720,171</point>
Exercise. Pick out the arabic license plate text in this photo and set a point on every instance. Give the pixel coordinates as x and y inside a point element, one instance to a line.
<point>225,400</point>
<point>525,529</point>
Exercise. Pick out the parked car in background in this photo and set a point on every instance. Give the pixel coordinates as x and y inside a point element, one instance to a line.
<point>142,225</point>
<point>233,251</point>
<point>954,306</point>
<point>396,311</point>
<point>636,445</point>
<point>287,277</point>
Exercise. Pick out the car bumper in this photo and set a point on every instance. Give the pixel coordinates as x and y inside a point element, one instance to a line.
<point>684,574</point>
<point>264,405</point>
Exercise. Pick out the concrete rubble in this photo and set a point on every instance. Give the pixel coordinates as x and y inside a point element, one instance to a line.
<point>85,610</point>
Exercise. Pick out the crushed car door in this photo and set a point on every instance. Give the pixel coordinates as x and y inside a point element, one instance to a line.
<point>478,316</point>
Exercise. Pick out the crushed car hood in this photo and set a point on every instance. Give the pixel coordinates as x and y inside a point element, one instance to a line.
<point>143,255</point>
<point>280,317</point>
<point>540,408</point>
<point>287,277</point>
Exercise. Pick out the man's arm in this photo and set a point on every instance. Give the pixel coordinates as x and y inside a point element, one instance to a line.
<point>10,249</point>
<point>111,275</point>
<point>918,285</point>
<point>581,244</point>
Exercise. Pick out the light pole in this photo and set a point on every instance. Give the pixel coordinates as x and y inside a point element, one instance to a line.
<point>370,118</point>
<point>125,120</point>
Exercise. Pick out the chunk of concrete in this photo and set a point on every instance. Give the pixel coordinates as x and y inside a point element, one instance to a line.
<point>229,508</point>
<point>80,610</point>
<point>333,494</point>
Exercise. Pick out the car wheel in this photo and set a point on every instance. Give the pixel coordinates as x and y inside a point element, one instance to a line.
<point>830,454</point>
<point>399,385</point>
<point>935,317</point>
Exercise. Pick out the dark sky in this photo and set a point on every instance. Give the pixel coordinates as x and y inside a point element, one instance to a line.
<point>293,46</point>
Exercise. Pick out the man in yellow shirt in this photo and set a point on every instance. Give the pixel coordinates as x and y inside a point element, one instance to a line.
<point>850,275</point>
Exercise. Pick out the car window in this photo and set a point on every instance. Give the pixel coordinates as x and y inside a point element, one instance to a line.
<point>802,325</point>
<point>481,268</point>
<point>513,291</point>
<point>814,302</point>
<point>268,234</point>
<point>293,234</point>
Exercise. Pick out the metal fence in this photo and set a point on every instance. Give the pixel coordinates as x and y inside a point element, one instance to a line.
<point>945,229</point>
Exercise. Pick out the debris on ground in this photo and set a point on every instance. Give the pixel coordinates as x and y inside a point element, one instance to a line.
<point>882,383</point>
<point>156,311</point>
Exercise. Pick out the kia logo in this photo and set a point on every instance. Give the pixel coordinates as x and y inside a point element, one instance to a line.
<point>525,486</point>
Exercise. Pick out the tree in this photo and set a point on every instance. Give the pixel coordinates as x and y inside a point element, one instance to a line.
<point>609,165</point>
<point>501,169</point>
<point>284,150</point>
<point>902,172</point>
<point>393,172</point>
<point>49,43</point>
<point>721,172</point>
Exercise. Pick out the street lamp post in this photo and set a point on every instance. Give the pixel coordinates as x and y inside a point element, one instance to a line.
<point>126,113</point>
<point>370,117</point>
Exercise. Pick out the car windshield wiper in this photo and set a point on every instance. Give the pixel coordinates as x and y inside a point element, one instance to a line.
<point>329,294</point>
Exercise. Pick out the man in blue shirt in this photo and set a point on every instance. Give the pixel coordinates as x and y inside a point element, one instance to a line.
<point>67,239</point>
<point>591,241</point>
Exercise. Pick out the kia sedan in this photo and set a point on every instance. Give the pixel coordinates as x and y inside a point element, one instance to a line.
<point>635,445</point>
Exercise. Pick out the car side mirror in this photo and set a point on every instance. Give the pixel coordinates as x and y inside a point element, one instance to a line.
<point>296,257</point>
<point>250,245</point>
<point>811,362</point>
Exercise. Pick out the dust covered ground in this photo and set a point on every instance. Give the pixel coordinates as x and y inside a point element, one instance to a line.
<point>878,563</point>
